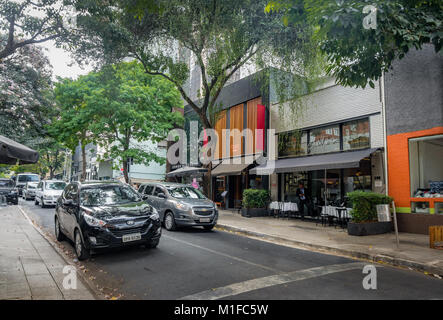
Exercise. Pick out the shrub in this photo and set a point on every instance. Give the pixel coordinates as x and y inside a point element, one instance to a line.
<point>254,198</point>
<point>364,205</point>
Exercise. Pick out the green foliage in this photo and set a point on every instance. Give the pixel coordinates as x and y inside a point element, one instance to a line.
<point>255,198</point>
<point>357,56</point>
<point>364,205</point>
<point>118,108</point>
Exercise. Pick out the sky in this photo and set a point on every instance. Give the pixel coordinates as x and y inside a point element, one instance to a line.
<point>61,62</point>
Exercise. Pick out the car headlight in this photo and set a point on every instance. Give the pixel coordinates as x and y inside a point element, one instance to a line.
<point>154,215</point>
<point>45,196</point>
<point>93,222</point>
<point>182,206</point>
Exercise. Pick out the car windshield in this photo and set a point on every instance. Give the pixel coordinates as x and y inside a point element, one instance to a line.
<point>27,178</point>
<point>55,185</point>
<point>6,183</point>
<point>186,193</point>
<point>108,195</point>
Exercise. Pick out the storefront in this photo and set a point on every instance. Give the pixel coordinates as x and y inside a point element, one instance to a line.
<point>415,163</point>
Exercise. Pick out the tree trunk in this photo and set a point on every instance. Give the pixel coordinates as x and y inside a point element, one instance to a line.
<point>83,176</point>
<point>125,170</point>
<point>51,173</point>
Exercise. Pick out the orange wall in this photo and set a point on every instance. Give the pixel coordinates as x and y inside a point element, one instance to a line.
<point>398,164</point>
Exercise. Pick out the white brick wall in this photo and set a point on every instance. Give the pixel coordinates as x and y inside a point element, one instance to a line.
<point>331,104</point>
<point>334,103</point>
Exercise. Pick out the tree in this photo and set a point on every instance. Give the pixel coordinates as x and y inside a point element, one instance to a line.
<point>25,94</point>
<point>73,123</point>
<point>357,55</point>
<point>27,22</point>
<point>222,36</point>
<point>131,108</point>
<point>52,157</point>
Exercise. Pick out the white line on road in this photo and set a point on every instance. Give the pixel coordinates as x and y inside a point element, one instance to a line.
<point>223,254</point>
<point>260,283</point>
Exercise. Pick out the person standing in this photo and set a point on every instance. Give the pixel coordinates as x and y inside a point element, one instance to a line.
<point>301,195</point>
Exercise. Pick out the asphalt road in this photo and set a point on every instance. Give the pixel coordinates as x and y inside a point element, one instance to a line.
<point>196,264</point>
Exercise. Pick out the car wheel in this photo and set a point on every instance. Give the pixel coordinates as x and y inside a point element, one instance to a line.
<point>42,203</point>
<point>58,232</point>
<point>152,244</point>
<point>35,201</point>
<point>170,222</point>
<point>80,250</point>
<point>209,228</point>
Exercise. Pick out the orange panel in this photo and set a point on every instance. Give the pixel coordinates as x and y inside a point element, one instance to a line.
<point>236,122</point>
<point>219,126</point>
<point>252,123</point>
<point>398,164</point>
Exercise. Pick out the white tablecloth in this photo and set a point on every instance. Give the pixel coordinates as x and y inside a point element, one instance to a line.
<point>332,211</point>
<point>284,206</point>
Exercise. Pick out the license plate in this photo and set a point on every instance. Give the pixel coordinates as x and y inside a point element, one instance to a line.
<point>205,220</point>
<point>132,237</point>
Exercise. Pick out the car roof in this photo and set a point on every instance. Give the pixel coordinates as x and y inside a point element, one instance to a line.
<point>96,183</point>
<point>5,179</point>
<point>27,174</point>
<point>167,184</point>
<point>54,181</point>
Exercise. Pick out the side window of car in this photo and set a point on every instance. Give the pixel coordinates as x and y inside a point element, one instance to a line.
<point>148,190</point>
<point>157,191</point>
<point>74,193</point>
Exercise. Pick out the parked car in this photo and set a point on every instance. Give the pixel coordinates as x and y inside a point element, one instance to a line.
<point>22,178</point>
<point>28,192</point>
<point>48,192</point>
<point>180,205</point>
<point>98,215</point>
<point>9,191</point>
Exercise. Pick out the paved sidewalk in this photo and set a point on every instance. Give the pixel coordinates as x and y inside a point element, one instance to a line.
<point>414,251</point>
<point>30,268</point>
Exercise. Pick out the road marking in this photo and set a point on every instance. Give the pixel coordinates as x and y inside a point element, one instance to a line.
<point>273,270</point>
<point>278,279</point>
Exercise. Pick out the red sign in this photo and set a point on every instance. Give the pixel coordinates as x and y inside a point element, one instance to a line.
<point>261,115</point>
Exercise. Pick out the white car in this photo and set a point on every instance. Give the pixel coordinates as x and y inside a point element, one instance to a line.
<point>28,191</point>
<point>48,192</point>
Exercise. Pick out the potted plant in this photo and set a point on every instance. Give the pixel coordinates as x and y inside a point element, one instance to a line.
<point>255,203</point>
<point>364,214</point>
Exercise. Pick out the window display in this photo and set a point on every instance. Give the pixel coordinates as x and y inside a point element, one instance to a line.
<point>356,135</point>
<point>293,144</point>
<point>324,140</point>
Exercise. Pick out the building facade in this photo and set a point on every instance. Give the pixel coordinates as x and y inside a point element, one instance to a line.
<point>414,114</point>
<point>331,141</point>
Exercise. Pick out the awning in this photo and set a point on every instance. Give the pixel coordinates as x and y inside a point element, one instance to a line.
<point>340,160</point>
<point>229,169</point>
<point>186,171</point>
<point>11,151</point>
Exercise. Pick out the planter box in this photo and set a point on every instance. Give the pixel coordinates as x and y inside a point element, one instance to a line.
<point>369,228</point>
<point>254,212</point>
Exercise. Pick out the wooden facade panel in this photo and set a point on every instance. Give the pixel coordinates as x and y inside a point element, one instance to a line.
<point>252,124</point>
<point>236,123</point>
<point>219,127</point>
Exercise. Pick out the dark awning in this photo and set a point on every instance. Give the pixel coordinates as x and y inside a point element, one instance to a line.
<point>340,160</point>
<point>186,171</point>
<point>11,151</point>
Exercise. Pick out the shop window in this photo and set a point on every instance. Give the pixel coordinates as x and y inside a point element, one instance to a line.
<point>425,165</point>
<point>420,207</point>
<point>324,140</point>
<point>290,184</point>
<point>356,135</point>
<point>292,144</point>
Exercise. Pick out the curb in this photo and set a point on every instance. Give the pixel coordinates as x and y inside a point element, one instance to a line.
<point>377,258</point>
<point>88,284</point>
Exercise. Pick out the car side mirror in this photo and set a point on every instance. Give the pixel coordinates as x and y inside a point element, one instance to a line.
<point>68,202</point>
<point>144,196</point>
<point>162,195</point>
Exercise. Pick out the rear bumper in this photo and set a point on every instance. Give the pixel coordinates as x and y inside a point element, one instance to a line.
<point>49,202</point>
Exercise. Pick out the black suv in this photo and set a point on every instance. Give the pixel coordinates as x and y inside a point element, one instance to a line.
<point>8,190</point>
<point>98,215</point>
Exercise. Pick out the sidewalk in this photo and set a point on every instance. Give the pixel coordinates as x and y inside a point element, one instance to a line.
<point>30,268</point>
<point>414,251</point>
